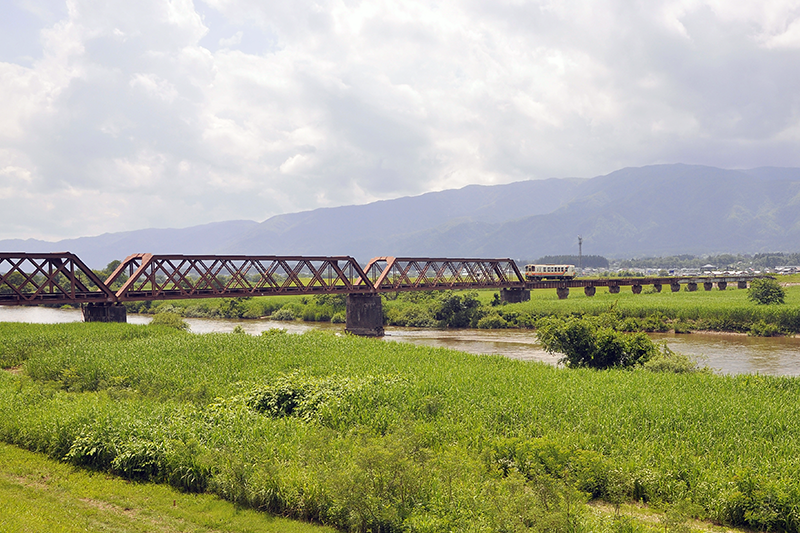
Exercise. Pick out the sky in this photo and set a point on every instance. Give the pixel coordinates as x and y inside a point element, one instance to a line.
<point>118,115</point>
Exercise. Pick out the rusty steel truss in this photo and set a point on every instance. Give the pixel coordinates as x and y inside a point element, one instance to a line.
<point>428,274</point>
<point>162,277</point>
<point>59,278</point>
<point>49,278</point>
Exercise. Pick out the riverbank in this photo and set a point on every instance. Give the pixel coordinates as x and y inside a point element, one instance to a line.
<point>681,312</point>
<point>359,433</point>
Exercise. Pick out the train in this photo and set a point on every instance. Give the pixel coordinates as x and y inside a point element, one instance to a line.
<point>542,272</point>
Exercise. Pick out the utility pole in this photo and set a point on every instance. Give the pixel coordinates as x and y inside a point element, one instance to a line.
<point>580,254</point>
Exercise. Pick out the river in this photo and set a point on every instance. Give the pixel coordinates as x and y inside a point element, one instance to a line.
<point>725,353</point>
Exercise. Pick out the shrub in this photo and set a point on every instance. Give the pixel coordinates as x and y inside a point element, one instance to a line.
<point>169,319</point>
<point>339,317</point>
<point>762,329</point>
<point>492,321</point>
<point>283,314</point>
<point>586,345</point>
<point>766,291</point>
<point>676,363</point>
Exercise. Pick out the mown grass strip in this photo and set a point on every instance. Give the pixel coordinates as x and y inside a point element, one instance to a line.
<point>39,494</point>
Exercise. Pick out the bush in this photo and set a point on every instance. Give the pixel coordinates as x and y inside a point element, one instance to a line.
<point>676,363</point>
<point>169,319</point>
<point>339,318</point>
<point>584,344</point>
<point>283,314</point>
<point>492,321</point>
<point>766,291</point>
<point>762,329</point>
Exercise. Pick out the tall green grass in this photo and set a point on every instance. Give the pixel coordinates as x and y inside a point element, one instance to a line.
<point>366,435</point>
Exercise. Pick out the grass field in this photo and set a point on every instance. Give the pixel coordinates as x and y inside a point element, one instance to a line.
<point>366,435</point>
<point>38,494</point>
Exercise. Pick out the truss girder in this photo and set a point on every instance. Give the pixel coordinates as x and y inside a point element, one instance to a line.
<point>425,273</point>
<point>159,277</point>
<point>49,278</point>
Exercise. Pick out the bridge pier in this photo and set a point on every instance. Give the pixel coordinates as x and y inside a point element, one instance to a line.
<point>722,285</point>
<point>637,289</point>
<point>691,286</point>
<point>515,296</point>
<point>562,292</point>
<point>707,285</point>
<point>657,287</point>
<point>589,291</point>
<point>104,312</point>
<point>742,285</point>
<point>613,289</point>
<point>364,315</point>
<point>675,287</point>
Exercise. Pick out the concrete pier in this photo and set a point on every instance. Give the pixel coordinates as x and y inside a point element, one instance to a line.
<point>562,292</point>
<point>613,289</point>
<point>742,285</point>
<point>722,285</point>
<point>691,286</point>
<point>364,315</point>
<point>515,296</point>
<point>657,287</point>
<point>707,285</point>
<point>104,312</point>
<point>589,291</point>
<point>637,289</point>
<point>675,287</point>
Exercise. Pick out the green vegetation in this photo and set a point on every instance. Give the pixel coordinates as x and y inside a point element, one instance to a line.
<point>766,292</point>
<point>320,308</point>
<point>593,344</point>
<point>39,494</point>
<point>730,310</point>
<point>169,319</point>
<point>721,261</point>
<point>683,311</point>
<point>373,436</point>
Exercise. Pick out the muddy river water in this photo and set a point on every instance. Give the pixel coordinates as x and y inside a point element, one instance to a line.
<point>726,353</point>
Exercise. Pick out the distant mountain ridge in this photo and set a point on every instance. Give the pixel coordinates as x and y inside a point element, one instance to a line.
<point>653,210</point>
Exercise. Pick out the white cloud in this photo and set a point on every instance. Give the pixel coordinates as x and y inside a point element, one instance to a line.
<point>152,113</point>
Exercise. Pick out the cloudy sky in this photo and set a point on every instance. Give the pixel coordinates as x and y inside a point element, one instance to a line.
<point>119,114</point>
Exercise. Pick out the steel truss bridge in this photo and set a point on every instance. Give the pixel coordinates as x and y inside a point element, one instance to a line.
<point>62,278</point>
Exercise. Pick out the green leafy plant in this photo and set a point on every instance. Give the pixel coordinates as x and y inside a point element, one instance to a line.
<point>584,344</point>
<point>766,291</point>
<point>169,319</point>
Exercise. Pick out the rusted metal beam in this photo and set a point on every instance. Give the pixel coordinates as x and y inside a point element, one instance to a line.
<point>49,278</point>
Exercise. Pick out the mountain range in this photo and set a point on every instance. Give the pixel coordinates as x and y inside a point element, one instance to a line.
<point>633,212</point>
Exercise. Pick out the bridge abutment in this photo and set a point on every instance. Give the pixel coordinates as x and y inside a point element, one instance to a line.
<point>364,315</point>
<point>515,296</point>
<point>104,312</point>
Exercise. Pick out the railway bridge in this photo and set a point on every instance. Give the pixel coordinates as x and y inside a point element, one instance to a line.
<point>62,278</point>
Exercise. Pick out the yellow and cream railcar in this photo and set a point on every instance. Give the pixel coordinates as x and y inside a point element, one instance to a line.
<point>540,272</point>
